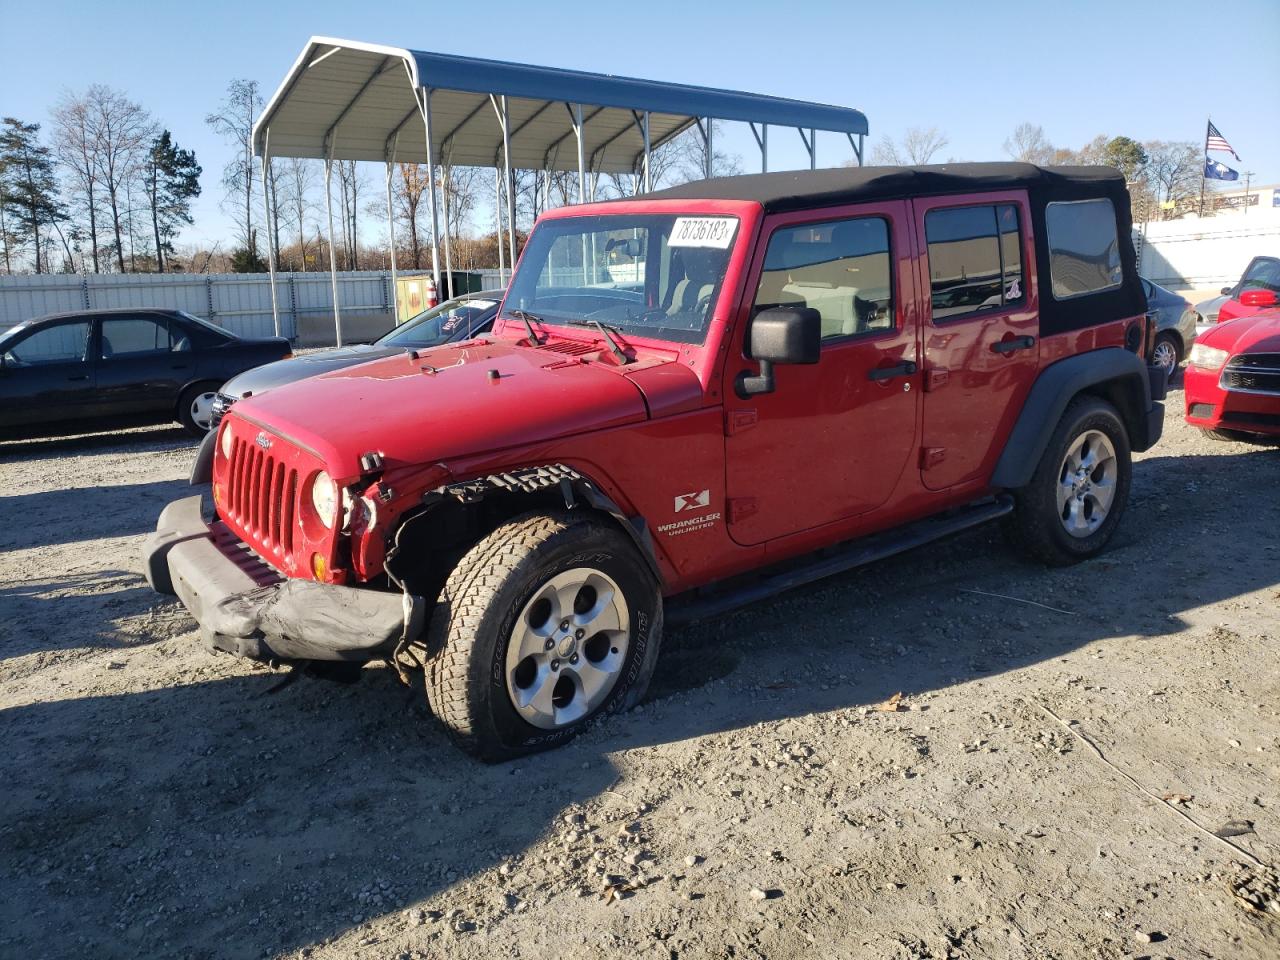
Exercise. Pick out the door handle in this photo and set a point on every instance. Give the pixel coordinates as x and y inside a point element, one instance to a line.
<point>904,369</point>
<point>1017,343</point>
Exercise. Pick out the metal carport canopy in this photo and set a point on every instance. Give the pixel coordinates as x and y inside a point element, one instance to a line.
<point>357,101</point>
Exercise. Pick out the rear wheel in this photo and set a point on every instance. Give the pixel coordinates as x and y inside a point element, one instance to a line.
<point>195,407</point>
<point>1079,490</point>
<point>549,621</point>
<point>1167,353</point>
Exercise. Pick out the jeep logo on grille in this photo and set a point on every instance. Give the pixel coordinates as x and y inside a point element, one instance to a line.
<point>263,441</point>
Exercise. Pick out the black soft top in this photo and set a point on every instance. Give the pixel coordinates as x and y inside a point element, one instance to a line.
<point>802,189</point>
<point>815,189</point>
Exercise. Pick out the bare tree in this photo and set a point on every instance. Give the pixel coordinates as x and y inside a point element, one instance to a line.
<point>296,181</point>
<point>76,147</point>
<point>408,188</point>
<point>1028,144</point>
<point>918,147</point>
<point>121,132</point>
<point>1174,170</point>
<point>234,122</point>
<point>351,184</point>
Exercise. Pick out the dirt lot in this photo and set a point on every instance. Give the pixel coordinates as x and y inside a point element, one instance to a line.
<point>161,802</point>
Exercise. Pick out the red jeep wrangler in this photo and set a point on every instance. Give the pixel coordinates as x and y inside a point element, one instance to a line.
<point>684,397</point>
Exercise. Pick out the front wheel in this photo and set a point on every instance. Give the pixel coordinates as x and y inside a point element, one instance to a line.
<point>549,621</point>
<point>1075,499</point>
<point>195,408</point>
<point>1166,354</point>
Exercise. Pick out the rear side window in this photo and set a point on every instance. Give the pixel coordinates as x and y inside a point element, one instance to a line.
<point>842,269</point>
<point>1084,248</point>
<point>975,259</point>
<point>126,336</point>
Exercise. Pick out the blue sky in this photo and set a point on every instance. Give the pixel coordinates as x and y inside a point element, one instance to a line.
<point>1149,70</point>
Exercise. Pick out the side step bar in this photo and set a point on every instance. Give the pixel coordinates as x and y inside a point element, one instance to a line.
<point>717,600</point>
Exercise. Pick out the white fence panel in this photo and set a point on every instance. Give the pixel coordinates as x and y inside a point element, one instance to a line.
<point>1205,253</point>
<point>241,302</point>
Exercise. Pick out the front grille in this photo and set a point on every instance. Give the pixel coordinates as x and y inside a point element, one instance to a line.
<point>1254,372</point>
<point>261,496</point>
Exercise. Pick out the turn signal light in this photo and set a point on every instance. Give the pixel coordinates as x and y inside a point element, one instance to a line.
<point>318,567</point>
<point>217,495</point>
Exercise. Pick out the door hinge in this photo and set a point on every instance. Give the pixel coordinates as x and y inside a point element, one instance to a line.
<point>739,508</point>
<point>932,456</point>
<point>936,377</point>
<point>736,421</point>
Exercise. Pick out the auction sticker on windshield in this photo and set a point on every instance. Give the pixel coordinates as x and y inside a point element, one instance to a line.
<point>713,232</point>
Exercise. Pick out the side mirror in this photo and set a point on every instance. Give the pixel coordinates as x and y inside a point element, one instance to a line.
<point>1258,298</point>
<point>780,335</point>
<point>1225,291</point>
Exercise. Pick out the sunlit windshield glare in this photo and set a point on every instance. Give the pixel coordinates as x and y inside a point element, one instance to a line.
<point>451,320</point>
<point>655,275</point>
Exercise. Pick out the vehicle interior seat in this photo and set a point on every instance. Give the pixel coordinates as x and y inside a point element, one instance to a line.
<point>700,277</point>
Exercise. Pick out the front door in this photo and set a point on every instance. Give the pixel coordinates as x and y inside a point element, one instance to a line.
<point>47,376</point>
<point>833,439</point>
<point>981,346</point>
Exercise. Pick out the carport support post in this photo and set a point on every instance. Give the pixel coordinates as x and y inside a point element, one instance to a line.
<point>266,222</point>
<point>710,149</point>
<point>425,106</point>
<point>511,193</point>
<point>333,256</point>
<point>762,141</point>
<point>648,181</point>
<point>446,177</point>
<point>497,217</point>
<point>582,179</point>
<point>391,230</point>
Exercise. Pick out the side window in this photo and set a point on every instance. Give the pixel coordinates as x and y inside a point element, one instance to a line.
<point>1084,250</point>
<point>63,343</point>
<point>843,269</point>
<point>131,336</point>
<point>975,259</point>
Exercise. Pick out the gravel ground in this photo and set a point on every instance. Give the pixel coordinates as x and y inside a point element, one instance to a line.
<point>1056,780</point>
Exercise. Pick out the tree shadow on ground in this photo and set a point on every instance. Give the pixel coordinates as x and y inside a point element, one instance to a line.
<point>71,515</point>
<point>254,823</point>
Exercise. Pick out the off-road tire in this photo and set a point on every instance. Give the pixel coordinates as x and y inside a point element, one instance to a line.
<point>185,400</point>
<point>477,611</point>
<point>1035,527</point>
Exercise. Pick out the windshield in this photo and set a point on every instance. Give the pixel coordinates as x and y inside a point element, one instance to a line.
<point>657,274</point>
<point>450,320</point>
<point>1263,274</point>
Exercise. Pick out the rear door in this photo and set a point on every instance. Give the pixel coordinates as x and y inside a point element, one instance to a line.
<point>981,330</point>
<point>833,439</point>
<point>47,376</point>
<point>139,372</point>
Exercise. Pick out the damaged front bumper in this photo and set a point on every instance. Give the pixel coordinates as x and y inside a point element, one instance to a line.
<point>245,607</point>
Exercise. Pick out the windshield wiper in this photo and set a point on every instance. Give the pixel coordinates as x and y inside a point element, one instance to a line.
<point>605,330</point>
<point>526,316</point>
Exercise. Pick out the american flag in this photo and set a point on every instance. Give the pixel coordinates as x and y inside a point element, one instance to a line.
<point>1214,140</point>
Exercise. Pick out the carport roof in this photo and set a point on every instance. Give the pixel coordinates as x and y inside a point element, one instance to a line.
<point>359,100</point>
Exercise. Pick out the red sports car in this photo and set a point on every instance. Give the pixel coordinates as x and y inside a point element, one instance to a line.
<point>1232,381</point>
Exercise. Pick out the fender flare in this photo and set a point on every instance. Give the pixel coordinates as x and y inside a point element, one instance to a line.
<point>575,487</point>
<point>1054,388</point>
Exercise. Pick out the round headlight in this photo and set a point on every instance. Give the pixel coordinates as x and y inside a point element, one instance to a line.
<point>324,497</point>
<point>225,442</point>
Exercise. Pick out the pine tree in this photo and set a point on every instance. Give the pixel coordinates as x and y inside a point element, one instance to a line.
<point>30,191</point>
<point>173,181</point>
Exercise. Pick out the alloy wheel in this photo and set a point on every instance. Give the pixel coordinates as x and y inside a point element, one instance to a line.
<point>568,648</point>
<point>1087,483</point>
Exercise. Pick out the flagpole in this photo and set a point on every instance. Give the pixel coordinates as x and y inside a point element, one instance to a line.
<point>1204,164</point>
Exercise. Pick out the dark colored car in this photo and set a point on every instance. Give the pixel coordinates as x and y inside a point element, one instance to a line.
<point>101,369</point>
<point>458,319</point>
<point>792,382</point>
<point>1175,323</point>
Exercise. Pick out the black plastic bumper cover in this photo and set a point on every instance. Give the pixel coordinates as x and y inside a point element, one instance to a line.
<point>244,607</point>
